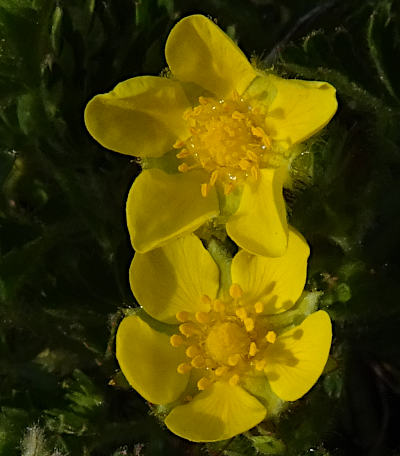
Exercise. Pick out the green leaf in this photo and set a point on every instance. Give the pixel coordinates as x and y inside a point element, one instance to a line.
<point>267,444</point>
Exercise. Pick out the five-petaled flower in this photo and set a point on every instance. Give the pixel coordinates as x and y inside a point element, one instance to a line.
<point>232,127</point>
<point>230,346</point>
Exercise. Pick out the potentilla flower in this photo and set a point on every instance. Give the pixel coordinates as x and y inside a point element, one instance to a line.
<point>221,358</point>
<point>232,129</point>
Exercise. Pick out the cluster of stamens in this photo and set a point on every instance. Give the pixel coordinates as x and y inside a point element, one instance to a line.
<point>227,140</point>
<point>224,342</point>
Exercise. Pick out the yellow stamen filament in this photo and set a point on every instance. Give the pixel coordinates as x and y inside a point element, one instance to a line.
<point>204,383</point>
<point>182,316</point>
<point>202,317</point>
<point>253,349</point>
<point>205,188</point>
<point>235,291</point>
<point>271,337</point>
<point>198,361</point>
<point>184,368</point>
<point>234,380</point>
<point>176,340</point>
<point>259,307</point>
<point>193,351</point>
<point>260,365</point>
<point>249,324</point>
<point>234,359</point>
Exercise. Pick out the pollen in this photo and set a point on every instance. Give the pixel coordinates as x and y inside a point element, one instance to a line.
<point>227,139</point>
<point>253,349</point>
<point>259,307</point>
<point>271,337</point>
<point>249,324</point>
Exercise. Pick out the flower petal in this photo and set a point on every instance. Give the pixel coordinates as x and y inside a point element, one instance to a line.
<point>141,116</point>
<point>198,51</point>
<point>218,413</point>
<point>298,357</point>
<point>163,206</point>
<point>298,110</point>
<point>149,362</point>
<point>174,278</point>
<point>259,225</point>
<point>276,282</point>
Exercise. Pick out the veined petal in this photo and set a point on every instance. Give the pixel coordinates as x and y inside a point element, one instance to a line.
<point>198,51</point>
<point>218,413</point>
<point>141,116</point>
<point>161,207</point>
<point>298,110</point>
<point>276,282</point>
<point>149,362</point>
<point>297,358</point>
<point>259,225</point>
<point>174,278</point>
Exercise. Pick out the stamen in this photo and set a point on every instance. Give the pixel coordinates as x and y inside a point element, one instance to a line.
<point>249,324</point>
<point>203,317</point>
<point>188,329</point>
<point>182,316</point>
<point>253,349</point>
<point>214,177</point>
<point>176,340</point>
<point>183,368</point>
<point>178,144</point>
<point>218,305</point>
<point>228,188</point>
<point>259,307</point>
<point>220,371</point>
<point>238,115</point>
<point>183,154</point>
<point>241,313</point>
<point>234,359</point>
<point>198,361</point>
<point>203,101</point>
<point>205,299</point>
<point>260,364</point>
<point>234,380</point>
<point>271,337</point>
<point>183,167</point>
<point>192,351</point>
<point>204,383</point>
<point>235,291</point>
<point>205,188</point>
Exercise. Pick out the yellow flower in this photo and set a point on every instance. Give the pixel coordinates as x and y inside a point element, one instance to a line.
<point>232,356</point>
<point>232,128</point>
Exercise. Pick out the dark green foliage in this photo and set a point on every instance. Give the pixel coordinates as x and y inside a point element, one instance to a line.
<point>65,252</point>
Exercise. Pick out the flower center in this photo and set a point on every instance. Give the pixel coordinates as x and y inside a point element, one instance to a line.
<point>227,140</point>
<point>224,342</point>
<point>227,339</point>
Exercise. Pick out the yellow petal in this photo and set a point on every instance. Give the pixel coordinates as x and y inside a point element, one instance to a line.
<point>198,51</point>
<point>259,225</point>
<point>161,207</point>
<point>149,362</point>
<point>297,359</point>
<point>174,278</point>
<point>218,413</point>
<point>298,110</point>
<point>141,116</point>
<point>277,283</point>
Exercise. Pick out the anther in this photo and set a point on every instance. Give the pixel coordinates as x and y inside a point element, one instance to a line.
<point>271,337</point>
<point>183,154</point>
<point>204,383</point>
<point>178,144</point>
<point>260,365</point>
<point>259,307</point>
<point>183,368</point>
<point>249,324</point>
<point>198,361</point>
<point>205,299</point>
<point>244,164</point>
<point>254,171</point>
<point>220,371</point>
<point>182,316</point>
<point>203,101</point>
<point>176,340</point>
<point>183,168</point>
<point>241,313</point>
<point>236,115</point>
<point>188,329</point>
<point>235,291</point>
<point>203,317</point>
<point>253,349</point>
<point>214,177</point>
<point>218,305</point>
<point>234,359</point>
<point>205,188</point>
<point>234,380</point>
<point>228,188</point>
<point>192,351</point>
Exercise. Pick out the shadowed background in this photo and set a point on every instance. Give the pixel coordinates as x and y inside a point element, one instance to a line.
<point>65,251</point>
